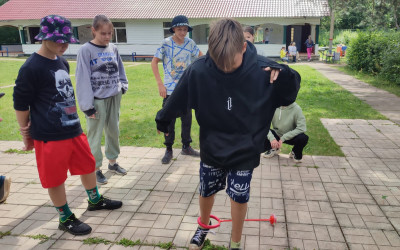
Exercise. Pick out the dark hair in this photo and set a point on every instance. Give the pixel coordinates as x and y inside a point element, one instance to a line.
<point>225,41</point>
<point>249,29</point>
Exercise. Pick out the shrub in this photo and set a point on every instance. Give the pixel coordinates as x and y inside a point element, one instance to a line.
<point>376,53</point>
<point>391,60</point>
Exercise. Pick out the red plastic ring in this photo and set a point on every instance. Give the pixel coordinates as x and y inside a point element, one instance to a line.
<point>209,226</point>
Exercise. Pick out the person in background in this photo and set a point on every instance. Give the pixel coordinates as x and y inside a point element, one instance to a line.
<point>288,126</point>
<point>309,44</point>
<point>284,53</point>
<point>248,33</point>
<point>100,83</point>
<point>293,51</point>
<point>176,53</point>
<point>266,36</point>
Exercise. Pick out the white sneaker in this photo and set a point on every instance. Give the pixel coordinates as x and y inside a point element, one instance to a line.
<point>271,153</point>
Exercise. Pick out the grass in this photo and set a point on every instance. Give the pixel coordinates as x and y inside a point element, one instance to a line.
<point>17,151</point>
<point>375,81</point>
<point>2,234</point>
<point>96,240</point>
<point>318,97</point>
<point>43,238</point>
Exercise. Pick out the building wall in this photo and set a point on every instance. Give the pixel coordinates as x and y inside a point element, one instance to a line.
<point>144,36</point>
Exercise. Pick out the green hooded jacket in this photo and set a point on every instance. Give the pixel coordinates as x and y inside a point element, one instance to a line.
<point>288,122</point>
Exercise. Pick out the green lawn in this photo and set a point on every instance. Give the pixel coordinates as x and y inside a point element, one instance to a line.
<point>319,98</point>
<point>376,81</point>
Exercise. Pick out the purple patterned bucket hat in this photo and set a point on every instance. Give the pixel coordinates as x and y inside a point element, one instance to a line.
<point>57,29</point>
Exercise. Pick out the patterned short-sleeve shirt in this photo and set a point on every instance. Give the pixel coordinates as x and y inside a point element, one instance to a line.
<point>176,58</point>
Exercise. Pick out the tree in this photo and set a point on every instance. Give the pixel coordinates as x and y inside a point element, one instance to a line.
<point>3,2</point>
<point>364,14</point>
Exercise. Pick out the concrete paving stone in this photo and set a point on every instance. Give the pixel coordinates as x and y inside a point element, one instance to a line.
<point>274,241</point>
<point>361,163</point>
<point>67,244</point>
<point>380,144</point>
<point>358,152</point>
<point>331,245</point>
<point>126,233</point>
<point>296,205</point>
<point>355,142</point>
<point>182,238</point>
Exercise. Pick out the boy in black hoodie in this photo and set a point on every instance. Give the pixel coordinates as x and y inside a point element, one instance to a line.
<point>234,107</point>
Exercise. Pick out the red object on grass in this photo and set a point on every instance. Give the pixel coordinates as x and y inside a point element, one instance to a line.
<point>272,220</point>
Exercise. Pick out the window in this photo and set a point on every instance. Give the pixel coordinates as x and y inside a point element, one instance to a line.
<point>119,35</point>
<point>166,26</point>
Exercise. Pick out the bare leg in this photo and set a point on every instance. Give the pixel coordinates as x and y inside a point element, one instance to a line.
<point>57,195</point>
<point>238,213</point>
<point>112,162</point>
<point>206,205</point>
<point>89,180</point>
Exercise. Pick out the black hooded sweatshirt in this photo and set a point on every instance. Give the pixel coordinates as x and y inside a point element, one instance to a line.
<point>234,110</point>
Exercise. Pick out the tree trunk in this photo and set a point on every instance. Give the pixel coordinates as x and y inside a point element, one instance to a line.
<point>332,24</point>
<point>395,6</point>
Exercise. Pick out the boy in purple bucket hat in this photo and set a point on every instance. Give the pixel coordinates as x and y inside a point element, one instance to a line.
<point>45,106</point>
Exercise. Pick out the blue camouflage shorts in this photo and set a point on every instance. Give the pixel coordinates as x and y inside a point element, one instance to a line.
<point>212,180</point>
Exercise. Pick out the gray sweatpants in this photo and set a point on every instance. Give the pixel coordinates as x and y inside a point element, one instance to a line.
<point>107,118</point>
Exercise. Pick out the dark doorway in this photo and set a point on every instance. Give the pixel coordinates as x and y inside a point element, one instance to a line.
<point>33,31</point>
<point>294,34</point>
<point>304,36</point>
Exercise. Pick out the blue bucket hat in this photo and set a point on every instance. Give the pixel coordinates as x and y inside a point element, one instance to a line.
<point>180,20</point>
<point>57,29</point>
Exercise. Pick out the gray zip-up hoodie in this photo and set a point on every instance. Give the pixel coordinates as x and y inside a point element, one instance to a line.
<point>99,74</point>
<point>288,122</point>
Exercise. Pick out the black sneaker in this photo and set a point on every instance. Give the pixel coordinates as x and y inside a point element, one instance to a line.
<point>296,159</point>
<point>198,239</point>
<point>104,203</point>
<point>74,226</point>
<point>167,157</point>
<point>190,151</point>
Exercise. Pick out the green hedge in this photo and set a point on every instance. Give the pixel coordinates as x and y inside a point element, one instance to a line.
<point>377,53</point>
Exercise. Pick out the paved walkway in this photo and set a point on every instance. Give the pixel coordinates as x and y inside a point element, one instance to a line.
<point>386,103</point>
<point>350,202</point>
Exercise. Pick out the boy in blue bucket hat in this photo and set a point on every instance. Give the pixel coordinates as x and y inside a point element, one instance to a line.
<point>176,52</point>
<point>45,106</point>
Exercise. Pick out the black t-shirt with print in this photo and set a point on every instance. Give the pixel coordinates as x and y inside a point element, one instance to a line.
<point>44,87</point>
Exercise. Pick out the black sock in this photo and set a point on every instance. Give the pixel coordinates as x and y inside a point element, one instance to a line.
<point>169,148</point>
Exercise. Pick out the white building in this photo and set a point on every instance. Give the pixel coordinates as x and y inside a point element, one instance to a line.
<point>140,25</point>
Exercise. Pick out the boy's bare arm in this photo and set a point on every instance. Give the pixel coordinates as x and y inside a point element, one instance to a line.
<point>24,124</point>
<point>161,88</point>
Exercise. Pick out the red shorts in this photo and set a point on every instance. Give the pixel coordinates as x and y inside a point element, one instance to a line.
<point>55,158</point>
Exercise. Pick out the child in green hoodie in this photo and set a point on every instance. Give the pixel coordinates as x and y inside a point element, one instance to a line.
<point>288,126</point>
